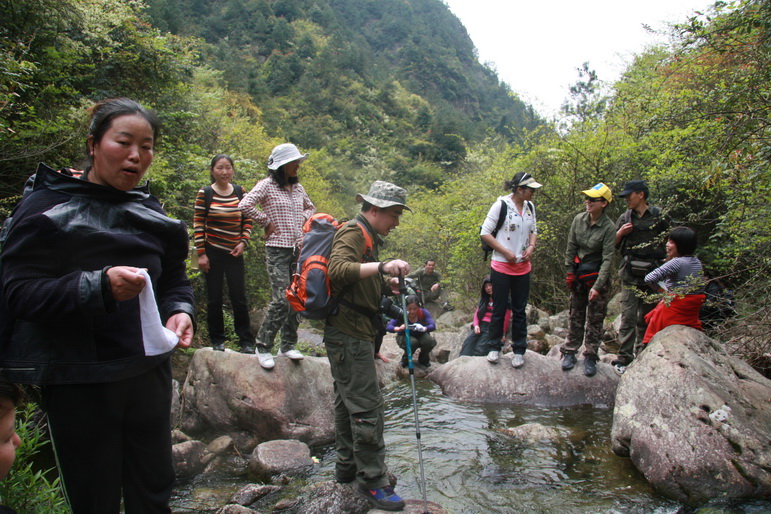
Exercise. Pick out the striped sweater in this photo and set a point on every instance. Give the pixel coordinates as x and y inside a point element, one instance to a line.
<point>224,227</point>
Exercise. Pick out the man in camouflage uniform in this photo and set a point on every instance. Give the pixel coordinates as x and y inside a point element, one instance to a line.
<point>429,287</point>
<point>357,282</point>
<point>640,238</point>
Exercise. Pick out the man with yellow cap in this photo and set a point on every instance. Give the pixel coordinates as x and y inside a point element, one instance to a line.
<point>588,257</point>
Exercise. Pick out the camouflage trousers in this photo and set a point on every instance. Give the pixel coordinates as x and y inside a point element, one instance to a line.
<point>586,320</point>
<point>280,317</point>
<point>424,342</point>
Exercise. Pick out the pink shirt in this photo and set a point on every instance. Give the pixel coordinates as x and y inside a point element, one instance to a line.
<point>512,268</point>
<point>287,209</point>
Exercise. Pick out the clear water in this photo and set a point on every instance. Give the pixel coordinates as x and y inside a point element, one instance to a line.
<point>471,466</point>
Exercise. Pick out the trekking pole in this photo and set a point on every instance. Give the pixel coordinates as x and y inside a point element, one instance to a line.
<point>403,291</point>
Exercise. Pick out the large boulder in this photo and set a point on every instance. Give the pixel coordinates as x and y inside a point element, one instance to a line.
<point>540,381</point>
<point>694,420</point>
<point>228,393</point>
<point>285,457</point>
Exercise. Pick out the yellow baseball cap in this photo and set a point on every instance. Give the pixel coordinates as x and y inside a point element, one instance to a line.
<point>599,191</point>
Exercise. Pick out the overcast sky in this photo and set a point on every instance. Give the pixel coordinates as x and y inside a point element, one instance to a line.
<point>536,45</point>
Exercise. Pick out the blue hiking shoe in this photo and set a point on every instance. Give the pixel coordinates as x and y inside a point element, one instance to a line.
<point>382,498</point>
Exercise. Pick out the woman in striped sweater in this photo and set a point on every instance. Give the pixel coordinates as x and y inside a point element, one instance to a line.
<point>222,232</point>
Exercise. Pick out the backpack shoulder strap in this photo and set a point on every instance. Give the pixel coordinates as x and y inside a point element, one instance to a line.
<point>501,215</point>
<point>239,191</point>
<point>368,244</point>
<point>208,195</point>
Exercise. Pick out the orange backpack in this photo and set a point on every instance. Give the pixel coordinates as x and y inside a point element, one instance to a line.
<point>310,292</point>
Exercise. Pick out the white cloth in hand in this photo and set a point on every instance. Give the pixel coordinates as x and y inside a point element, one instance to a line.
<point>157,339</point>
<point>417,327</point>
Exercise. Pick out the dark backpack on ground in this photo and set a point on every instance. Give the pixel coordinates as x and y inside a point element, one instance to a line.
<point>310,292</point>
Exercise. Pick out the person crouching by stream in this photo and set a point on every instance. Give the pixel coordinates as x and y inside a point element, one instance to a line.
<point>588,257</point>
<point>477,343</point>
<point>420,327</point>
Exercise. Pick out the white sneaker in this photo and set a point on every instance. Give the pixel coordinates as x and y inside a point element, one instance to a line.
<point>266,360</point>
<point>518,360</point>
<point>292,354</point>
<point>620,369</point>
<point>493,356</point>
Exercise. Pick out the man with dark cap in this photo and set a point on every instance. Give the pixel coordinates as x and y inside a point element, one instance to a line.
<point>357,279</point>
<point>641,238</point>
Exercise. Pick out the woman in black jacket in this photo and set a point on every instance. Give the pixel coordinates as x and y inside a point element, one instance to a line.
<point>94,282</point>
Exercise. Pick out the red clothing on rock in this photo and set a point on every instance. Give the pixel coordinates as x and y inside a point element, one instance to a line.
<point>682,310</point>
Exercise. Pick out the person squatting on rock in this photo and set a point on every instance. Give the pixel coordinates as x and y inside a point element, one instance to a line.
<point>420,327</point>
<point>358,284</point>
<point>640,237</point>
<point>682,278</point>
<point>222,232</point>
<point>513,246</point>
<point>477,343</point>
<point>97,298</point>
<point>285,206</point>
<point>588,258</point>
<point>428,286</point>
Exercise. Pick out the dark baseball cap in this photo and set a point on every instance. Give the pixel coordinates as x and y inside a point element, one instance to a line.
<point>634,186</point>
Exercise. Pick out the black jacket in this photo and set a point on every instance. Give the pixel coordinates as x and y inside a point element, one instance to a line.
<point>59,323</point>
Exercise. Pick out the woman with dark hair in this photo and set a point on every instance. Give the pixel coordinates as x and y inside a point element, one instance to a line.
<point>285,206</point>
<point>588,257</point>
<point>421,324</point>
<point>222,232</point>
<point>97,298</point>
<point>477,343</point>
<point>513,245</point>
<point>682,279</point>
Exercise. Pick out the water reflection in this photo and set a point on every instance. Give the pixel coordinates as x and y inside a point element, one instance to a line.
<point>473,466</point>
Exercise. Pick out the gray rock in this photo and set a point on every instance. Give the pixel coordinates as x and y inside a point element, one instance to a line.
<point>694,420</point>
<point>533,433</point>
<point>220,445</point>
<point>175,403</point>
<point>235,509</point>
<point>540,381</point>
<point>279,457</point>
<point>231,465</point>
<point>333,497</point>
<point>559,320</point>
<point>535,332</point>
<point>249,494</point>
<point>228,393</point>
<point>189,458</point>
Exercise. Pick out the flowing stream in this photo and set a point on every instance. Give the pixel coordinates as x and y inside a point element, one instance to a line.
<point>472,466</point>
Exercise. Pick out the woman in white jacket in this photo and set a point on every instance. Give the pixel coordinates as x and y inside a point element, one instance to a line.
<point>513,245</point>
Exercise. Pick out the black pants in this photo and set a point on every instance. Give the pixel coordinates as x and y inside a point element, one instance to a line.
<point>518,287</point>
<point>225,266</point>
<point>111,437</point>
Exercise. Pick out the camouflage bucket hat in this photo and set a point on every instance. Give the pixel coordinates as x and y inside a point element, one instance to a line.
<point>384,194</point>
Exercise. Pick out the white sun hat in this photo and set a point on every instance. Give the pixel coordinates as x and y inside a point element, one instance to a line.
<point>284,153</point>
